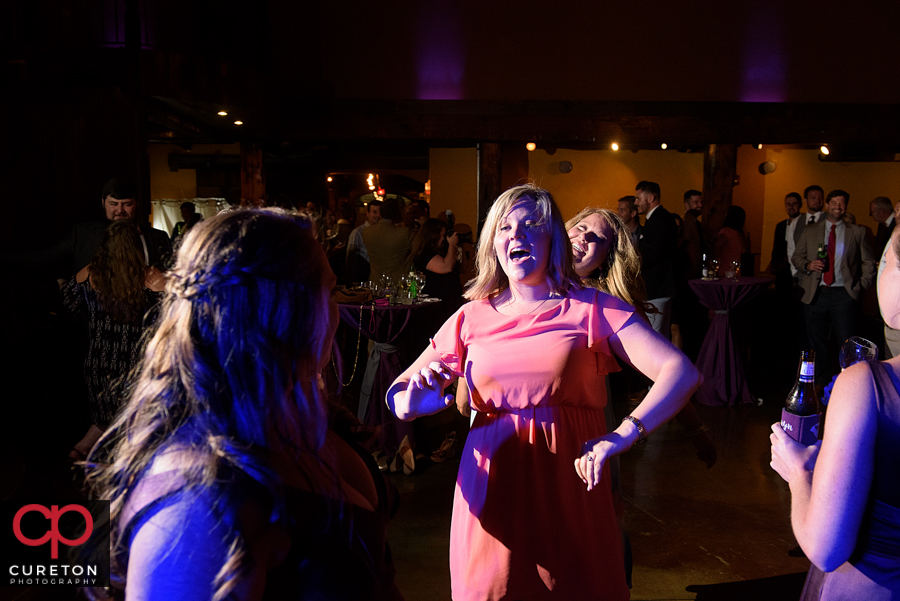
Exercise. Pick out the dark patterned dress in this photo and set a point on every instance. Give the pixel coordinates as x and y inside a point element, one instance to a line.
<point>114,346</point>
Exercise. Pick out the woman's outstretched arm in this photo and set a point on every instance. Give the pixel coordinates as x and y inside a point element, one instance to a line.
<point>675,380</point>
<point>419,390</point>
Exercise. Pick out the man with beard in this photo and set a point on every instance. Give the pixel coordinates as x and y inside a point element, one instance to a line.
<point>75,251</point>
<point>688,313</point>
<point>832,287</point>
<point>692,234</point>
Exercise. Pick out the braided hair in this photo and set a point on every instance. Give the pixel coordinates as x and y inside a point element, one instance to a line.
<point>231,371</point>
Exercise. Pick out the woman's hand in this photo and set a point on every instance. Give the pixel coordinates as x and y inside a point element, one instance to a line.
<point>422,394</point>
<point>595,452</point>
<point>790,458</point>
<point>155,280</point>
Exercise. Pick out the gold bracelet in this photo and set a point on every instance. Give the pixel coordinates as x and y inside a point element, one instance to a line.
<point>642,433</point>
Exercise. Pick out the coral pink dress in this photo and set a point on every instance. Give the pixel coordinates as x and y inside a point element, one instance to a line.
<point>524,525</point>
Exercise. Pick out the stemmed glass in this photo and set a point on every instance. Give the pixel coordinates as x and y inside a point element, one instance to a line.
<point>420,282</point>
<point>856,349</point>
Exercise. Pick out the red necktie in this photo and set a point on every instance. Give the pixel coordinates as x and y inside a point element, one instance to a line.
<point>832,240</point>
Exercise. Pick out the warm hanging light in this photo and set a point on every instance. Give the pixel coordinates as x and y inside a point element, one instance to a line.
<point>615,146</point>
<point>222,113</point>
<point>823,149</point>
<point>759,146</point>
<point>531,146</point>
<point>663,145</point>
<point>329,179</point>
<point>238,122</point>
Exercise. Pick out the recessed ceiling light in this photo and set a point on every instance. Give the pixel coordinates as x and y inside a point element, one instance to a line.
<point>531,146</point>
<point>238,122</point>
<point>823,149</point>
<point>615,146</point>
<point>221,113</point>
<point>663,145</point>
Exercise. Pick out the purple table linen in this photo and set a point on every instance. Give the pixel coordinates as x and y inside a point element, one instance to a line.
<point>724,380</point>
<point>389,327</point>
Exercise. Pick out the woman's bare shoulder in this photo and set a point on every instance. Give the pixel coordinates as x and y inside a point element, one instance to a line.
<point>82,275</point>
<point>855,384</point>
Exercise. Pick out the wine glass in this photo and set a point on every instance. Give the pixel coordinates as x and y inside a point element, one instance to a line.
<point>736,270</point>
<point>856,349</point>
<point>420,281</point>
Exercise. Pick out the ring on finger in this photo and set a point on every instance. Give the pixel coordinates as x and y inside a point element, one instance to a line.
<point>590,458</point>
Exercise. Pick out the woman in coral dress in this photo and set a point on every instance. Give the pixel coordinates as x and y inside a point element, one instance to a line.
<point>534,347</point>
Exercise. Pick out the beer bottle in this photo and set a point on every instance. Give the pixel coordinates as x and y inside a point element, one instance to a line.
<point>800,416</point>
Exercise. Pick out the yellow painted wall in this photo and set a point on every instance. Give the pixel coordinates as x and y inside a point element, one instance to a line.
<point>750,195</point>
<point>454,183</point>
<point>797,169</point>
<point>601,177</point>
<point>181,184</point>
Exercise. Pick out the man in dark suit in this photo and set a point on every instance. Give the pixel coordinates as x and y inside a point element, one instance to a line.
<point>815,202</point>
<point>882,211</point>
<point>658,245</point>
<point>77,249</point>
<point>628,212</point>
<point>785,243</point>
<point>832,287</point>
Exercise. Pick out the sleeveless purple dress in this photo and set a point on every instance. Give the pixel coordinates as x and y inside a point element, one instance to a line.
<point>873,571</point>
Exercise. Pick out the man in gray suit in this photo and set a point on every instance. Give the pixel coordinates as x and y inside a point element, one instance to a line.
<point>833,286</point>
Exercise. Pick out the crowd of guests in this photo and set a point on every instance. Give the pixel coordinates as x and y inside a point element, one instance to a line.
<point>223,437</point>
<point>825,267</point>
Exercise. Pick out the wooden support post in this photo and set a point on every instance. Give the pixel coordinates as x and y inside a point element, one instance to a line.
<point>253,181</point>
<point>138,142</point>
<point>719,179</point>
<point>488,178</point>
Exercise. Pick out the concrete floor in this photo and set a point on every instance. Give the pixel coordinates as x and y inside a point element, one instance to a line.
<point>709,534</point>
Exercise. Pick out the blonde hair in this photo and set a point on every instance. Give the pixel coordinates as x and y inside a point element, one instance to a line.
<point>491,280</point>
<point>231,369</point>
<point>620,274</point>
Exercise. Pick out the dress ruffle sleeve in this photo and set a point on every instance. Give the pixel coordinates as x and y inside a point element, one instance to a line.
<point>449,338</point>
<point>608,317</point>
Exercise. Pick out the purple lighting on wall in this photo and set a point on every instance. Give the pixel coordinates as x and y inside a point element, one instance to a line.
<point>763,76</point>
<point>440,62</point>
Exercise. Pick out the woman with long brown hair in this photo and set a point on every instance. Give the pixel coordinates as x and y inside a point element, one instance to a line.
<point>225,476</point>
<point>113,294</point>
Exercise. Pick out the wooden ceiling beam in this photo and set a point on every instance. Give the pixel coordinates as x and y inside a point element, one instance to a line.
<point>565,124</point>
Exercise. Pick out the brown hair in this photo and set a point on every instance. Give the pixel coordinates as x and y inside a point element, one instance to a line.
<point>117,272</point>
